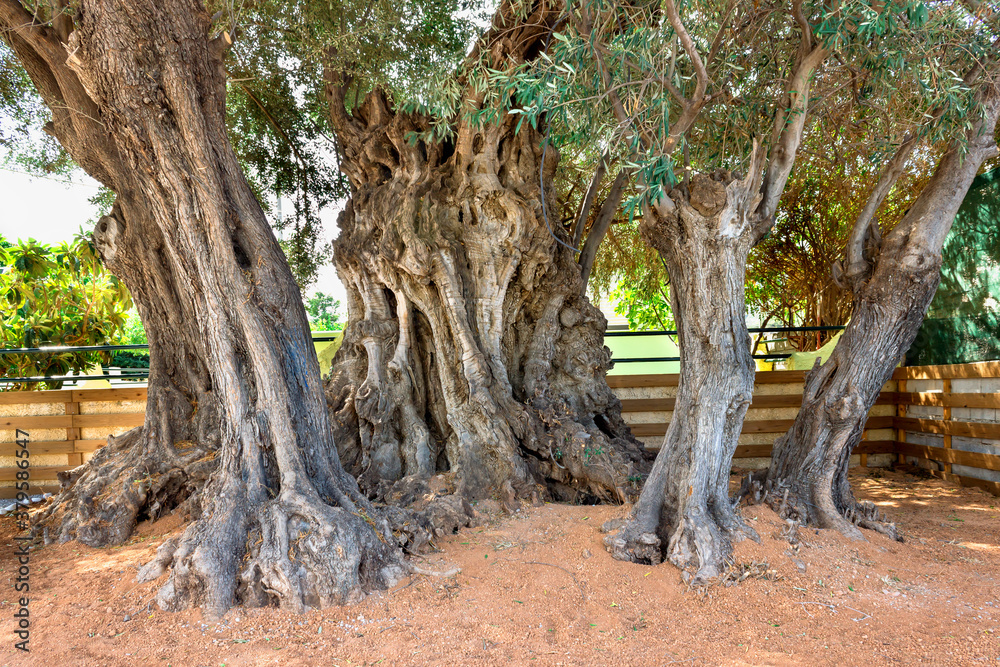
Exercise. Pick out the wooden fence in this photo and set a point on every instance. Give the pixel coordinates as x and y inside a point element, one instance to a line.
<point>948,421</point>
<point>943,418</point>
<point>65,428</point>
<point>648,402</point>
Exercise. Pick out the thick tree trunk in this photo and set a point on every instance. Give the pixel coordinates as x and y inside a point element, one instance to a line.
<point>807,480</point>
<point>684,514</point>
<point>470,350</point>
<point>235,383</point>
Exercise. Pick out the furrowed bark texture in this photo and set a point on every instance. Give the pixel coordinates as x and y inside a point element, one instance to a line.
<point>684,514</point>
<point>237,424</point>
<point>470,349</point>
<point>807,479</point>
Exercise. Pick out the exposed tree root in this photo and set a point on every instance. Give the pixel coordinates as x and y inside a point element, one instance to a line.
<point>128,480</point>
<point>840,511</point>
<point>294,552</point>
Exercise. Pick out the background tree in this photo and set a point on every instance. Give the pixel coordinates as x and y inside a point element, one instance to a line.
<point>56,295</point>
<point>322,311</point>
<point>668,89</point>
<point>658,87</point>
<point>963,320</point>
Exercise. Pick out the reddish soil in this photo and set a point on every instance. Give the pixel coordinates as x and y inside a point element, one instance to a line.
<point>538,587</point>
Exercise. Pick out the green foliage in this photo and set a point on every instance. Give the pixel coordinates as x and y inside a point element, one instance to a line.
<point>963,321</point>
<point>644,302</point>
<point>55,295</point>
<point>617,73</point>
<point>132,333</point>
<point>322,311</point>
<point>23,145</point>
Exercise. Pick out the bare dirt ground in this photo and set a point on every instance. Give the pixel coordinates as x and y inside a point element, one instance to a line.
<point>537,587</point>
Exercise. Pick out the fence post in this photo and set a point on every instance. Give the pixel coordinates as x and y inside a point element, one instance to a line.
<point>73,434</point>
<point>900,412</point>
<point>947,417</point>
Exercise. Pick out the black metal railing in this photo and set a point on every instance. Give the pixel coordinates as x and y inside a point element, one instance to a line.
<point>673,332</point>
<point>135,374</point>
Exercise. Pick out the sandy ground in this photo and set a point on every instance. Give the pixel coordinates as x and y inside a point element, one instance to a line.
<point>537,587</point>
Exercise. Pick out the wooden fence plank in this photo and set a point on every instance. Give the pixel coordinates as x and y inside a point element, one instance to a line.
<point>982,369</point>
<point>760,426</point>
<point>33,397</point>
<point>671,379</point>
<point>942,427</point>
<point>27,423</point>
<point>45,473</point>
<point>865,447</point>
<point>759,402</point>
<point>88,446</point>
<point>115,394</point>
<point>947,400</point>
<point>108,421</point>
<point>655,380</point>
<point>40,447</point>
<point>963,458</point>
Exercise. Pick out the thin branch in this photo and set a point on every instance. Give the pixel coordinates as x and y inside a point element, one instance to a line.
<point>789,124</point>
<point>857,265</point>
<point>600,227</point>
<point>588,200</point>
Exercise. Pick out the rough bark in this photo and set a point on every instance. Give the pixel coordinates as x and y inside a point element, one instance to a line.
<point>235,393</point>
<point>684,514</point>
<point>470,350</point>
<point>807,479</point>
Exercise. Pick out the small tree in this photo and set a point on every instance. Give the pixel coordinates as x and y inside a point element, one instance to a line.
<point>56,295</point>
<point>322,311</point>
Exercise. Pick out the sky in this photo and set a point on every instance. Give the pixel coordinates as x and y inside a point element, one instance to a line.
<point>51,210</point>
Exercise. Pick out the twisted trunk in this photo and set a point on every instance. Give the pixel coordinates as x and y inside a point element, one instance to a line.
<point>237,422</point>
<point>807,478</point>
<point>470,350</point>
<point>684,514</point>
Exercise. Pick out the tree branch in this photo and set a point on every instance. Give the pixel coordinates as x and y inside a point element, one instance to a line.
<point>75,116</point>
<point>865,224</point>
<point>789,123</point>
<point>926,225</point>
<point>588,200</point>
<point>601,225</point>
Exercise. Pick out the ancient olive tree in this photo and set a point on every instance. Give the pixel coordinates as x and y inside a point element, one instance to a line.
<point>892,278</point>
<point>471,351</point>
<point>236,426</point>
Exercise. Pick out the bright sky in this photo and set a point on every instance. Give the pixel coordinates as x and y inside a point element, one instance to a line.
<point>50,210</point>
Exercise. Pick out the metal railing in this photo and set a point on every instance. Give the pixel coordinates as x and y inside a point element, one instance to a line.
<point>673,332</point>
<point>135,374</point>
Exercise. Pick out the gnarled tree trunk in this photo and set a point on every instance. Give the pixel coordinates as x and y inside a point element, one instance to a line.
<point>807,479</point>
<point>470,349</point>
<point>235,392</point>
<point>684,514</point>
